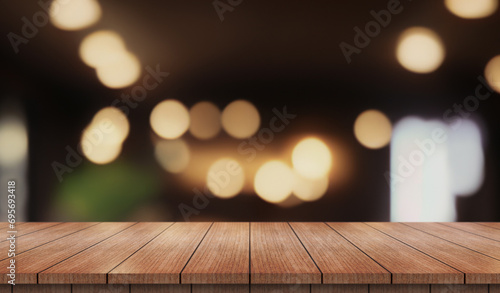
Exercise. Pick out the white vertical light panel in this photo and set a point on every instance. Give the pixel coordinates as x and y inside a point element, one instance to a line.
<point>432,163</point>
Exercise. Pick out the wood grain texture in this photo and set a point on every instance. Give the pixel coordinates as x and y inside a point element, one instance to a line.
<point>339,260</point>
<point>27,228</point>
<point>208,288</point>
<point>297,288</point>
<point>33,261</point>
<point>222,258</point>
<point>5,288</point>
<point>407,265</point>
<point>92,265</point>
<point>160,288</point>
<point>42,289</point>
<point>339,289</point>
<point>278,257</point>
<point>478,243</point>
<point>481,230</point>
<point>161,261</point>
<point>478,268</point>
<point>34,239</point>
<point>493,225</point>
<point>399,288</point>
<point>494,289</point>
<point>459,288</point>
<point>109,288</point>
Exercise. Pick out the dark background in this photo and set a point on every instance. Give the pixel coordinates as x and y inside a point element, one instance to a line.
<point>272,53</point>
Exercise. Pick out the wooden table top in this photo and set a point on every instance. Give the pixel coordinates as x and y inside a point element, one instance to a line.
<point>254,253</point>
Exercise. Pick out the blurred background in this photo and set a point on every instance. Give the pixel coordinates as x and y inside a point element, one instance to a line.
<point>242,110</point>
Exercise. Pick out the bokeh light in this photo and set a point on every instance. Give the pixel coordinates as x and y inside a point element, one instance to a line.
<point>373,129</point>
<point>420,50</point>
<point>205,120</point>
<point>13,141</point>
<point>173,155</point>
<point>312,158</point>
<point>121,72</point>
<point>308,189</point>
<point>101,47</point>
<point>274,181</point>
<point>492,73</point>
<point>170,119</point>
<point>225,178</point>
<point>472,8</point>
<point>99,153</point>
<point>240,119</point>
<point>112,123</point>
<point>74,14</point>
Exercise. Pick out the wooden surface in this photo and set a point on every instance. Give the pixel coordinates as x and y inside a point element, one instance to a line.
<point>162,260</point>
<point>278,257</point>
<point>407,265</point>
<point>222,257</point>
<point>478,268</point>
<point>255,257</point>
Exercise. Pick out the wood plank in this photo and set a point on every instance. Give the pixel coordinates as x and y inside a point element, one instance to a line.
<point>399,288</point>
<point>478,243</point>
<point>160,288</point>
<point>481,230</point>
<point>339,260</point>
<point>494,289</point>
<point>339,288</point>
<point>28,228</point>
<point>40,237</point>
<point>491,224</point>
<point>278,257</point>
<point>208,288</point>
<point>42,289</point>
<point>33,261</point>
<point>407,265</point>
<point>222,258</point>
<point>5,288</point>
<point>161,261</point>
<point>109,288</point>
<point>92,265</point>
<point>478,268</point>
<point>297,288</point>
<point>447,288</point>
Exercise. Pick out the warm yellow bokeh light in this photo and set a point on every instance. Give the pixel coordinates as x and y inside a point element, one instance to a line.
<point>472,8</point>
<point>112,124</point>
<point>225,178</point>
<point>101,153</point>
<point>312,158</point>
<point>169,119</point>
<point>120,73</point>
<point>492,73</point>
<point>173,155</point>
<point>274,181</point>
<point>101,47</point>
<point>13,142</point>
<point>420,50</point>
<point>205,120</point>
<point>240,119</point>
<point>373,129</point>
<point>74,14</point>
<point>308,189</point>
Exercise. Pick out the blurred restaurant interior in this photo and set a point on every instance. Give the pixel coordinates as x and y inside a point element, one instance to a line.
<point>236,110</point>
